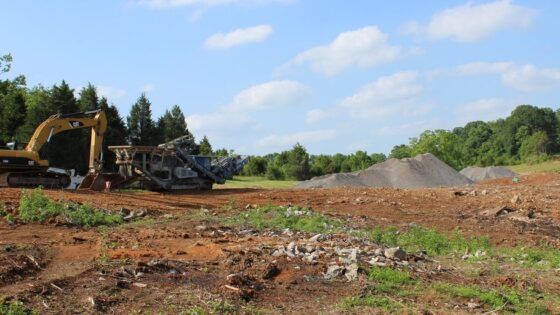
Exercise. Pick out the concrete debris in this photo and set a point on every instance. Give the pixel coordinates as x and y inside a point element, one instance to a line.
<point>498,211</point>
<point>395,253</point>
<point>318,238</point>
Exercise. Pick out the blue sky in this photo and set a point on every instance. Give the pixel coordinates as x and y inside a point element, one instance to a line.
<point>259,75</point>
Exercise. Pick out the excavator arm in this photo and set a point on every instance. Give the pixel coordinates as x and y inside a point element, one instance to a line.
<point>96,120</point>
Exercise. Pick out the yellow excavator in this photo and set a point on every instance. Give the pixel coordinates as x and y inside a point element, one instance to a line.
<point>25,168</point>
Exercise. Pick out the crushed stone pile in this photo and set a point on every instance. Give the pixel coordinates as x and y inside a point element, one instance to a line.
<point>422,171</point>
<point>477,174</point>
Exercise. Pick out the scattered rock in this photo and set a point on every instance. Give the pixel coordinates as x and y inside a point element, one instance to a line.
<point>395,253</point>
<point>498,211</point>
<point>515,199</point>
<point>318,238</point>
<point>351,272</point>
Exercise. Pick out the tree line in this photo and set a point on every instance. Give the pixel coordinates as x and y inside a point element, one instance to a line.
<point>529,134</point>
<point>23,109</point>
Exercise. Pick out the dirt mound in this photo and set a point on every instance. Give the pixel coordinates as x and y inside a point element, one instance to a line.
<point>477,174</point>
<point>423,171</point>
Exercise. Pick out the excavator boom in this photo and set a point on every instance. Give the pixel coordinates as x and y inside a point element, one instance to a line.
<point>26,168</point>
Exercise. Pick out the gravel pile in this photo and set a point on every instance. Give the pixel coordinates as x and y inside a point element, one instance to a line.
<point>477,174</point>
<point>423,171</point>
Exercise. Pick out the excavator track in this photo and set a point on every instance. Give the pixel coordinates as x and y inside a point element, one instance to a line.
<point>35,179</point>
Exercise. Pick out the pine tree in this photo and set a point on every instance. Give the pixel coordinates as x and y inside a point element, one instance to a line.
<point>205,147</point>
<point>88,98</point>
<point>115,134</point>
<point>63,101</point>
<point>140,123</point>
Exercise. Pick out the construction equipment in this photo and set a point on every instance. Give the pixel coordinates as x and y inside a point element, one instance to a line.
<point>25,168</point>
<point>170,166</point>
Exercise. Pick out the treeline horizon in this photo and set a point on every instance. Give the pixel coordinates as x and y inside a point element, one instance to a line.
<point>530,134</point>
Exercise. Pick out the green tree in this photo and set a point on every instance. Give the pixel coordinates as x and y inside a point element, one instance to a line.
<point>12,108</point>
<point>400,152</point>
<point>115,134</point>
<point>140,123</point>
<point>5,63</point>
<point>205,148</point>
<point>61,98</point>
<point>534,147</point>
<point>88,98</point>
<point>295,163</point>
<point>257,166</point>
<point>441,143</point>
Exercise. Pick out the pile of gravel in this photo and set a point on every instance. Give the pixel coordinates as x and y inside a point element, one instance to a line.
<point>423,171</point>
<point>477,174</point>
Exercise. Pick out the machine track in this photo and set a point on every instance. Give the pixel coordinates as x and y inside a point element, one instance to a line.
<point>34,179</point>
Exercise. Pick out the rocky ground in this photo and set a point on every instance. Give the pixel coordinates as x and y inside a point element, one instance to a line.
<point>487,248</point>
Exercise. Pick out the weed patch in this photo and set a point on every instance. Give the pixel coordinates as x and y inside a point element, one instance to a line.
<point>14,308</point>
<point>278,217</point>
<point>429,240</point>
<point>34,206</point>
<point>381,302</point>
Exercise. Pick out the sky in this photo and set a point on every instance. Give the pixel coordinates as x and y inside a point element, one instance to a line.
<point>257,76</point>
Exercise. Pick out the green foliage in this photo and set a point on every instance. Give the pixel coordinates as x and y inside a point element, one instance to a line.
<point>205,148</point>
<point>381,302</point>
<point>543,257</point>
<point>257,166</point>
<point>34,206</point>
<point>388,275</point>
<point>6,63</point>
<point>490,297</point>
<point>115,135</point>
<point>294,218</point>
<point>141,127</point>
<point>429,240</point>
<point>14,308</point>
<point>274,173</point>
<point>400,152</point>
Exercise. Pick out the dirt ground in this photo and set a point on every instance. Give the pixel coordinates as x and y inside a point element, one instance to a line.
<point>170,262</point>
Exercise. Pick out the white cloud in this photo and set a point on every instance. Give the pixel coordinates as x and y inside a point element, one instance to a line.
<point>471,23</point>
<point>238,37</point>
<point>365,47</point>
<point>315,115</point>
<point>148,88</point>
<point>110,92</point>
<point>405,129</point>
<point>304,138</point>
<point>195,16</point>
<point>397,93</point>
<point>162,4</point>
<point>526,78</point>
<point>529,78</point>
<point>484,109</point>
<point>273,94</point>
<point>218,121</point>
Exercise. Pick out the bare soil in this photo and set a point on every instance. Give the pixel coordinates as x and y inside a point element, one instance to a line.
<point>170,262</point>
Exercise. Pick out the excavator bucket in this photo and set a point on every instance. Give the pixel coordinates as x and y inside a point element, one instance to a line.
<point>94,182</point>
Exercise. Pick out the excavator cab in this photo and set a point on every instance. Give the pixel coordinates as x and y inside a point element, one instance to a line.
<point>26,168</point>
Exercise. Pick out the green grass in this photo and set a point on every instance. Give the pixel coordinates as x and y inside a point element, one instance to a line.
<point>278,217</point>
<point>34,206</point>
<point>429,240</point>
<point>544,257</point>
<point>256,182</point>
<point>544,167</point>
<point>381,302</point>
<point>14,308</point>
